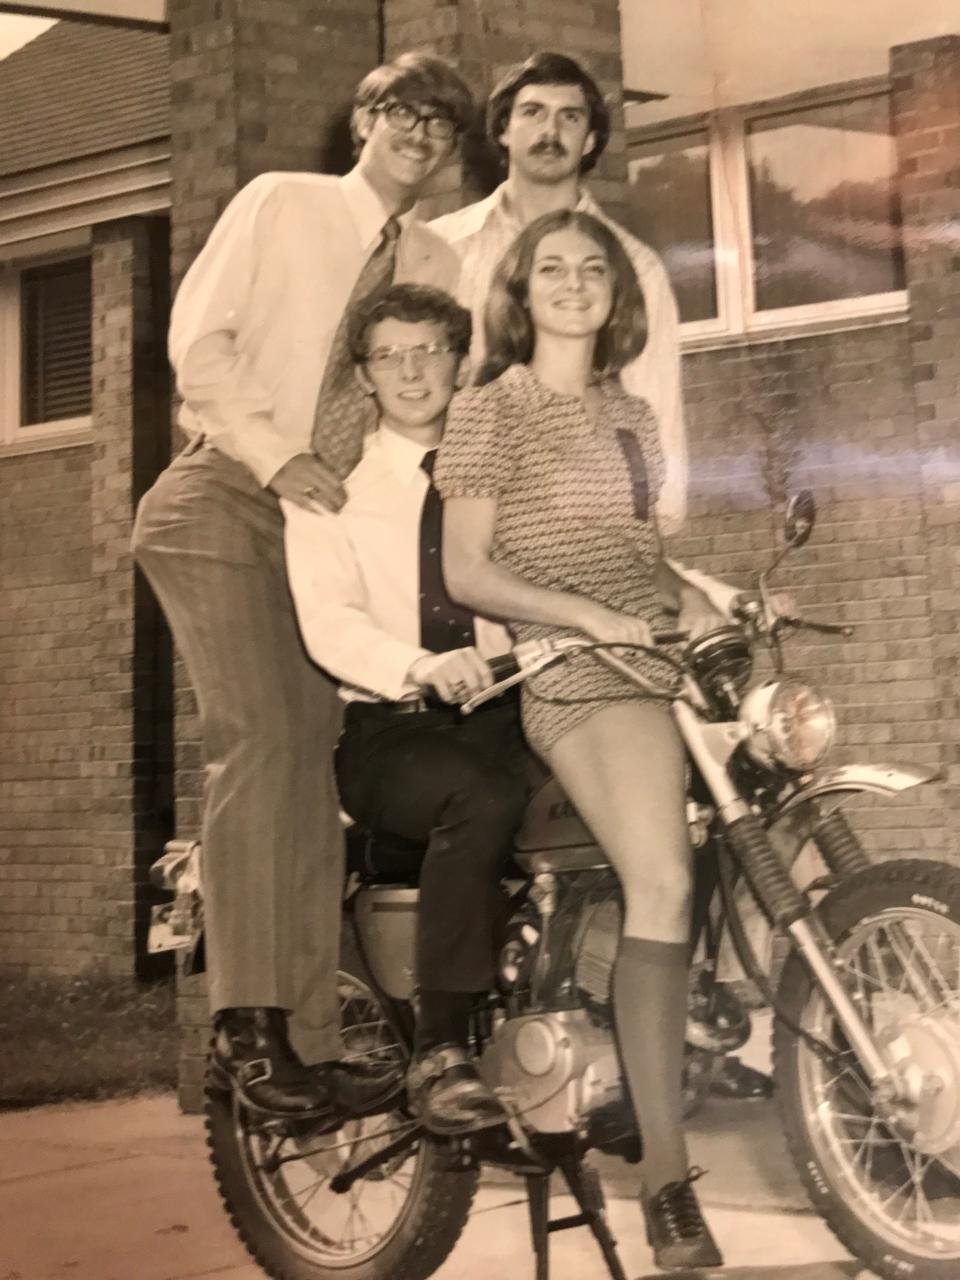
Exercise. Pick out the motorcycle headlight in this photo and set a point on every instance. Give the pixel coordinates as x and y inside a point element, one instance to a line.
<point>790,723</point>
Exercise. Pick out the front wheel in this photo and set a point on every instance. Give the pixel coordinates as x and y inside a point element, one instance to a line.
<point>885,1178</point>
<point>398,1222</point>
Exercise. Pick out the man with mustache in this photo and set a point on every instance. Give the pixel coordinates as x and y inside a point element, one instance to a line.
<point>551,124</point>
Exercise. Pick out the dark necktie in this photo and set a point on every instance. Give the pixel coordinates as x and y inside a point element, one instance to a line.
<point>344,412</point>
<point>444,625</point>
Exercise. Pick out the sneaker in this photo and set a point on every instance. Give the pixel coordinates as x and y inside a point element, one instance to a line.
<point>676,1231</point>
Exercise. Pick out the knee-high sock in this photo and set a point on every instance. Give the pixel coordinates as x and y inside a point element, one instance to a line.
<point>650,1004</point>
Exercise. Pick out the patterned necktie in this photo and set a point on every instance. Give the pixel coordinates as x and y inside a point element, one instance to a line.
<point>344,412</point>
<point>444,625</point>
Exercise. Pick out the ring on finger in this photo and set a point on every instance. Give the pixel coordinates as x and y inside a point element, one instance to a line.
<point>311,491</point>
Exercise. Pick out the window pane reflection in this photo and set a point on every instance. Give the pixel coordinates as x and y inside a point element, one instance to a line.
<point>825,219</point>
<point>670,210</point>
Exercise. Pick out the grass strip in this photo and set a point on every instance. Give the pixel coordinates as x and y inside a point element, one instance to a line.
<point>85,1037</point>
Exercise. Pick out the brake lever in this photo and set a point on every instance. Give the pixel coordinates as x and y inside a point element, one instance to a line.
<point>824,628</point>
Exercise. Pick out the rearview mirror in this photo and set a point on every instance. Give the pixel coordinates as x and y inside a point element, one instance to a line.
<point>800,518</point>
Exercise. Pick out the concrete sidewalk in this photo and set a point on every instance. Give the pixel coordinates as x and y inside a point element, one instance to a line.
<point>123,1191</point>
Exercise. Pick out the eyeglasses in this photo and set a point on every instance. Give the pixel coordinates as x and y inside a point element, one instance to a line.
<point>404,119</point>
<point>422,353</point>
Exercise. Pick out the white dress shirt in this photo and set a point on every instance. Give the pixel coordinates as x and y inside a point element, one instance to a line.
<point>256,315</point>
<point>482,232</point>
<point>355,575</point>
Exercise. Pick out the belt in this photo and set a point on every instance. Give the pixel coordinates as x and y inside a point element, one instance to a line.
<point>420,706</point>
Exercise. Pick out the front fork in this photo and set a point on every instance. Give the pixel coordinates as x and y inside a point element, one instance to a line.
<point>711,746</point>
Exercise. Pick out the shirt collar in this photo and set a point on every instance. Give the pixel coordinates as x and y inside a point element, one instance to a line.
<point>366,208</point>
<point>402,456</point>
<point>498,206</point>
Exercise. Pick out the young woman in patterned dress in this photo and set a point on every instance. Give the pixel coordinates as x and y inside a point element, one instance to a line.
<point>550,473</point>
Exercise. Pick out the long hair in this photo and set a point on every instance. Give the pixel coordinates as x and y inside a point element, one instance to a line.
<point>508,327</point>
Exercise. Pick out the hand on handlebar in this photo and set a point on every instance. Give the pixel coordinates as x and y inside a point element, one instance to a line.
<point>454,676</point>
<point>609,627</point>
<point>697,615</point>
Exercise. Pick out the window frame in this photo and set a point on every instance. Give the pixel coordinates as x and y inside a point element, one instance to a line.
<point>17,437</point>
<point>738,320</point>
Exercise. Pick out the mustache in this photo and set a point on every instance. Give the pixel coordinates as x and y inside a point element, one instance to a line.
<point>548,148</point>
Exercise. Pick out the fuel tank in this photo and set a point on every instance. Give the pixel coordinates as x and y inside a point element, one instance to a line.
<point>551,822</point>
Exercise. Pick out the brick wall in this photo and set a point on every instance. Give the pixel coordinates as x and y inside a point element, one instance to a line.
<point>833,413</point>
<point>926,96</point>
<point>130,746</point>
<point>47,877</point>
<point>83,742</point>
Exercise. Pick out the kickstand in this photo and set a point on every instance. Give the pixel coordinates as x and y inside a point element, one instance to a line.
<point>538,1191</point>
<point>585,1187</point>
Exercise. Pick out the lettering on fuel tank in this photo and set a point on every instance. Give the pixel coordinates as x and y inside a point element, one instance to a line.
<point>561,809</point>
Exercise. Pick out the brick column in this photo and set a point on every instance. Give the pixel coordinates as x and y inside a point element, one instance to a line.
<point>129,747</point>
<point>926,112</point>
<point>255,88</point>
<point>484,40</point>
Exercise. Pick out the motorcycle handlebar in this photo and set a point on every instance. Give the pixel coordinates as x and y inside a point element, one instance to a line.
<point>508,669</point>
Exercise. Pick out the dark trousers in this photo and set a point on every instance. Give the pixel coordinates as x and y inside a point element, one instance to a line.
<point>460,785</point>
<point>210,540</point>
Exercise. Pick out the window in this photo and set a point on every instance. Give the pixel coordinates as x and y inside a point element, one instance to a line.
<point>775,218</point>
<point>45,350</point>
<point>672,211</point>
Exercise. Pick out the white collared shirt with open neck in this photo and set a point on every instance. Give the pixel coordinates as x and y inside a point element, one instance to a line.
<point>256,315</point>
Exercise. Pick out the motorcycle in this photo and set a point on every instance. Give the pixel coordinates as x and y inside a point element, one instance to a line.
<point>866,1042</point>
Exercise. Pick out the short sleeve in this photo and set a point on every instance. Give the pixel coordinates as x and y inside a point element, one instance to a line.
<point>647,430</point>
<point>475,455</point>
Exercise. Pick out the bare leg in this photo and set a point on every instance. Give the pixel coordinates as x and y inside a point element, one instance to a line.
<point>624,770</point>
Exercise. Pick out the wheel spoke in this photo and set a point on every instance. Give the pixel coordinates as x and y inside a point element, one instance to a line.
<point>903,968</point>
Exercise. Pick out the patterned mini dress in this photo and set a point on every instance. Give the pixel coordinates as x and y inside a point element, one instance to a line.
<point>575,502</point>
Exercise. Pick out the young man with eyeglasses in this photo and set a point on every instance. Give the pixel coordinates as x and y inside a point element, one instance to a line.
<point>374,612</point>
<point>273,412</point>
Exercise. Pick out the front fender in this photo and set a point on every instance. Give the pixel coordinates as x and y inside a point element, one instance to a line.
<point>879,779</point>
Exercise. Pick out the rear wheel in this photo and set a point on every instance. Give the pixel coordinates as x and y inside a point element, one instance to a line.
<point>398,1222</point>
<point>886,1179</point>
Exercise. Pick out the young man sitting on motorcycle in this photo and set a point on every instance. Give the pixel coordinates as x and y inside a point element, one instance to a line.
<point>374,612</point>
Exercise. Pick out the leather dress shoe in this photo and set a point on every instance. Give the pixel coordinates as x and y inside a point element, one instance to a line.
<point>447,1095</point>
<point>252,1055</point>
<point>359,1088</point>
<point>676,1231</point>
<point>731,1078</point>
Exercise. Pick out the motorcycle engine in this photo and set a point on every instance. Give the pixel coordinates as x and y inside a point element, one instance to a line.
<point>558,1067</point>
<point>554,1068</point>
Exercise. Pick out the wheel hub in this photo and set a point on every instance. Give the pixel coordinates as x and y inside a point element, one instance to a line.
<point>925,1055</point>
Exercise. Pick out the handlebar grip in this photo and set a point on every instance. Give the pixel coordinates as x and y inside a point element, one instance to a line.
<point>504,666</point>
